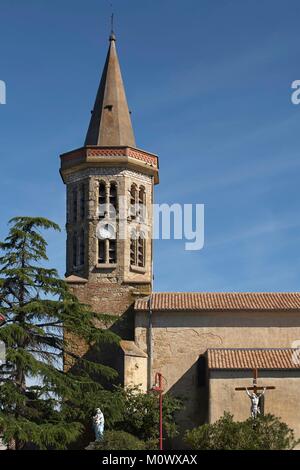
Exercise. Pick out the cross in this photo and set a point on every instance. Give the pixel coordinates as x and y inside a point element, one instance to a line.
<point>254,396</point>
<point>254,386</point>
<point>112,22</point>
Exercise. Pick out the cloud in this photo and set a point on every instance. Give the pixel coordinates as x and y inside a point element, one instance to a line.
<point>186,83</point>
<point>262,228</point>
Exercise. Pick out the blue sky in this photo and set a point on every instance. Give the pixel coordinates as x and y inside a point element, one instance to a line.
<point>209,85</point>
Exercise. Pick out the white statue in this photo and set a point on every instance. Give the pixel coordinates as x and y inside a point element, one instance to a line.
<point>254,397</point>
<point>98,423</point>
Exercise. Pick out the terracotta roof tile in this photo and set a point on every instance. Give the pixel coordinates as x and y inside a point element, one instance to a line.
<point>190,301</point>
<point>249,358</point>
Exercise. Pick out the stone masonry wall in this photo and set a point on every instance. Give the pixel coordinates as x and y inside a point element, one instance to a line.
<point>282,402</point>
<point>122,271</point>
<point>180,337</point>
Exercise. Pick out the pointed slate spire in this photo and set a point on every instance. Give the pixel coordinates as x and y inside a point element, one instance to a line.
<point>110,123</point>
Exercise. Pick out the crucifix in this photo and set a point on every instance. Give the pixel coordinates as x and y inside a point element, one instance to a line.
<point>254,395</point>
<point>112,22</point>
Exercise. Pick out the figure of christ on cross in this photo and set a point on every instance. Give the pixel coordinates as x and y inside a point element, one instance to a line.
<point>254,395</point>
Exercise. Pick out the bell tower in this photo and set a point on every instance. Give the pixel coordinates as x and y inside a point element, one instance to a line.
<point>109,184</point>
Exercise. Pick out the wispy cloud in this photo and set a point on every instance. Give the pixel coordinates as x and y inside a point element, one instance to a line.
<point>261,228</point>
<point>206,76</point>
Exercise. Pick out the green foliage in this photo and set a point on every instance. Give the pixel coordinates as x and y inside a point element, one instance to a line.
<point>40,402</point>
<point>119,440</point>
<point>264,433</point>
<point>138,414</point>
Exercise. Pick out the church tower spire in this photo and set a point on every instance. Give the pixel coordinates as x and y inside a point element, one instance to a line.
<point>110,185</point>
<point>110,123</point>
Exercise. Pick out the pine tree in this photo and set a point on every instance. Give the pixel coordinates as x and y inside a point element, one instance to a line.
<point>41,402</point>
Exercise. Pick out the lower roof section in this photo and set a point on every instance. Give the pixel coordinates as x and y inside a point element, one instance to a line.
<point>246,359</point>
<point>197,301</point>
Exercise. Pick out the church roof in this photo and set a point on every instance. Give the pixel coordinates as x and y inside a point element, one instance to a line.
<point>110,124</point>
<point>253,358</point>
<point>196,301</point>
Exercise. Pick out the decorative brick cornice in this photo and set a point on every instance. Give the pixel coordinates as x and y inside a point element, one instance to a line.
<point>83,153</point>
<point>105,152</point>
<point>144,156</point>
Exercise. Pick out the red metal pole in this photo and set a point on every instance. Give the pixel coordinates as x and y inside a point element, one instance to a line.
<point>160,414</point>
<point>158,388</point>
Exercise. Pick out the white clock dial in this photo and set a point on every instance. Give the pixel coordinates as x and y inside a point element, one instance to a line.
<point>106,232</point>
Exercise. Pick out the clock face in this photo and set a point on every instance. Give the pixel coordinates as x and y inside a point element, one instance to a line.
<point>106,232</point>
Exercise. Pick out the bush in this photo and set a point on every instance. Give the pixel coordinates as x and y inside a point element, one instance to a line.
<point>138,414</point>
<point>119,440</point>
<point>264,433</point>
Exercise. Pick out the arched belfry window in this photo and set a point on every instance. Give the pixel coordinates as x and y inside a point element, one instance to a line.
<point>112,251</point>
<point>141,245</point>
<point>133,201</point>
<point>107,252</point>
<point>102,200</point>
<point>142,202</point>
<point>108,199</point>
<point>107,244</point>
<point>101,252</point>
<point>137,249</point>
<point>113,199</point>
<point>107,229</point>
<point>133,249</point>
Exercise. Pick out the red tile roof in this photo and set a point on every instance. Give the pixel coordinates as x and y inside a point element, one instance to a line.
<point>251,358</point>
<point>193,301</point>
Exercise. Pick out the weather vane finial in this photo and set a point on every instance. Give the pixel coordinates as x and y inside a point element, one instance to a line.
<point>112,18</point>
<point>112,23</point>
